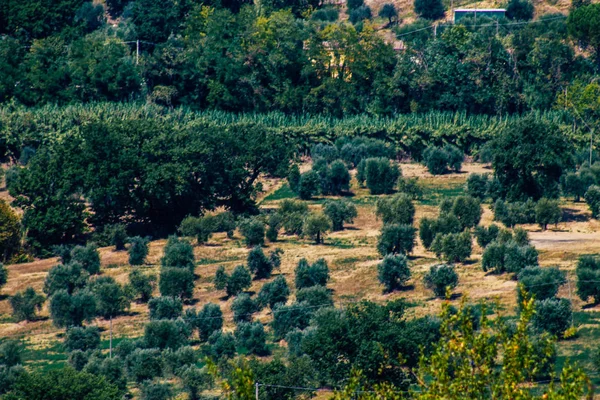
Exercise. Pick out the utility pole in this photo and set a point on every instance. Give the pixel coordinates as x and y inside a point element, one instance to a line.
<point>137,52</point>
<point>110,345</point>
<point>256,390</point>
<point>435,30</point>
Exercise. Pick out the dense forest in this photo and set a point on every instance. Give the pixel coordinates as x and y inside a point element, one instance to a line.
<point>124,124</point>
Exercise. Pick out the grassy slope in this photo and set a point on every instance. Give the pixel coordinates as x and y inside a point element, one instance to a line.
<point>352,260</point>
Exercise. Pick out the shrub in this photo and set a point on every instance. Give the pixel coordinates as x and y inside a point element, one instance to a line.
<point>393,271</point>
<point>71,310</point>
<point>178,253</point>
<point>552,316</point>
<point>150,390</point>
<point>398,209</point>
<point>440,278</point>
<point>288,318</point>
<point>477,186</point>
<point>311,275</point>
<point>520,10</point>
<point>69,277</point>
<point>592,198</point>
<point>87,338</point>
<point>144,364</point>
<point>541,283</point>
<point>165,307</point>
<point>547,212</point>
<point>396,238</point>
<point>360,14</point>
<point>293,178</point>
<point>467,210</point>
<point>243,307</point>
<point>239,281</point>
<point>339,212</point>
<point>434,158</point>
<point>195,380</point>
<point>207,321</point>
<point>454,247</point>
<point>275,223</point>
<point>588,276</point>
<point>518,257</point>
<point>252,338</point>
<point>388,11</point>
<point>221,278</point>
<point>316,226</point>
<point>381,175</point>
<point>111,298</point>
<point>410,187</point>
<point>117,235</point>
<point>324,151</point>
<point>88,257</point>
<point>138,250</point>
<point>310,184</point>
<point>142,285</point>
<point>259,264</point>
<point>253,231</point>
<point>486,235</point>
<point>25,304</point>
<point>339,178</point>
<point>166,333</point>
<point>315,296</point>
<point>274,292</point>
<point>176,282</point>
<point>177,359</point>
<point>222,345</point>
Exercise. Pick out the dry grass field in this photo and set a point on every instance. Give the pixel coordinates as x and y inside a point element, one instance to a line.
<point>352,259</point>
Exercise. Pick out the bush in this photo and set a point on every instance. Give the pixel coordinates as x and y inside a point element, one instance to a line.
<point>243,307</point>
<point>316,226</point>
<point>207,321</point>
<point>592,198</point>
<point>117,235</point>
<point>315,296</point>
<point>518,257</point>
<point>176,282</point>
<point>547,212</point>
<point>393,272</point>
<point>195,380</point>
<point>311,275</point>
<point>166,333</point>
<point>381,175</point>
<point>25,304</point>
<point>434,158</point>
<point>11,352</point>
<point>552,316</point>
<point>454,247</point>
<point>477,186</point>
<point>310,184</point>
<point>69,277</point>
<point>150,390</point>
<point>288,318</point>
<point>293,178</point>
<point>142,285</point>
<point>588,276</point>
<point>138,250</point>
<point>388,11</point>
<point>398,209</point>
<point>440,278</point>
<point>360,14</point>
<point>88,257</point>
<point>111,298</point>
<point>326,152</point>
<point>467,210</point>
<point>165,307</point>
<point>144,364</point>
<point>222,345</point>
<point>339,178</point>
<point>71,310</point>
<point>239,281</point>
<point>178,253</point>
<point>87,338</point>
<point>541,283</point>
<point>274,292</point>
<point>410,187</point>
<point>253,231</point>
<point>252,338</point>
<point>339,211</point>
<point>396,238</point>
<point>486,235</point>
<point>275,223</point>
<point>259,264</point>
<point>520,10</point>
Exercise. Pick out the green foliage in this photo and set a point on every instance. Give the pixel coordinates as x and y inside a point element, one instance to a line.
<point>138,250</point>
<point>207,321</point>
<point>315,296</point>
<point>10,231</point>
<point>166,333</point>
<point>11,352</point>
<point>574,185</point>
<point>511,214</point>
<point>274,292</point>
<point>520,10</point>
<point>150,390</point>
<point>286,318</point>
<point>381,175</point>
<point>582,24</point>
<point>360,14</point>
<point>552,315</point>
<point>25,304</point>
<point>294,178</point>
<point>144,364</point>
<point>307,275</point>
<point>88,257</point>
<point>252,338</point>
<point>467,210</point>
<point>309,186</point>
<point>165,307</point>
<point>453,247</point>
<point>112,299</point>
<point>195,380</point>
<point>259,264</point>
<point>293,213</point>
<point>69,277</point>
<point>275,222</point>
<point>588,275</point>
<point>178,253</point>
<point>339,178</point>
<point>253,231</point>
<point>445,224</point>
<point>388,10</point>
<point>243,307</point>
<point>142,285</point>
<point>439,159</point>
<point>592,198</point>
<point>397,209</point>
<point>176,282</point>
<point>396,238</point>
<point>222,345</point>
<point>541,283</point>
<point>477,186</point>
<point>441,278</point>
<point>221,278</point>
<point>86,338</point>
<point>547,212</point>
<point>485,235</point>
<point>316,226</point>
<point>117,235</point>
<point>3,275</point>
<point>429,9</point>
<point>393,271</point>
<point>72,309</point>
<point>508,257</point>
<point>339,212</point>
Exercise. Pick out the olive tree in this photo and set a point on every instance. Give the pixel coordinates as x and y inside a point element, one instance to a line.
<point>398,209</point>
<point>25,304</point>
<point>316,226</point>
<point>441,278</point>
<point>393,271</point>
<point>339,212</point>
<point>396,238</point>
